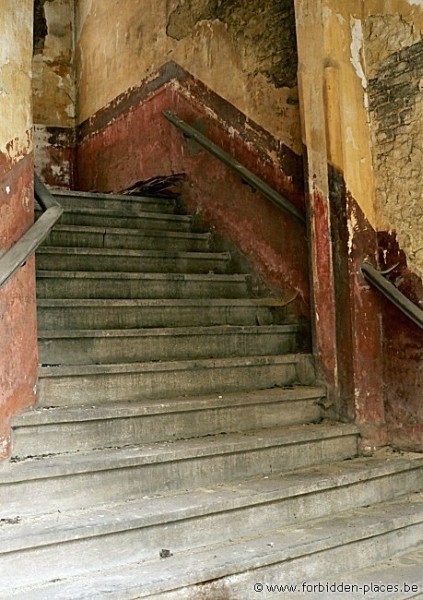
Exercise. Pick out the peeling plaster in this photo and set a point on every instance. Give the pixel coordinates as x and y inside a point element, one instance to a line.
<point>357,56</point>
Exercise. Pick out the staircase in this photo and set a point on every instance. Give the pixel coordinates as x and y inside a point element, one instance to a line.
<point>179,448</point>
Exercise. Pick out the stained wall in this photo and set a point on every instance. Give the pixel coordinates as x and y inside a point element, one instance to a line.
<point>18,345</point>
<point>244,51</point>
<point>54,91</point>
<point>364,188</point>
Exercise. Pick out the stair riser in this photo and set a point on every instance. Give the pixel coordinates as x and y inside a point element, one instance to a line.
<point>114,387</point>
<point>130,264</point>
<point>114,549</point>
<point>150,221</point>
<point>118,485</point>
<point>90,350</point>
<point>86,287</point>
<point>59,438</point>
<point>321,567</point>
<point>133,242</point>
<point>138,317</point>
<point>124,205</point>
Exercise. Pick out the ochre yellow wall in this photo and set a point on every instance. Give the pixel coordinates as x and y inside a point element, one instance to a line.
<point>18,340</point>
<point>53,72</point>
<point>339,120</point>
<point>15,78</point>
<point>119,44</point>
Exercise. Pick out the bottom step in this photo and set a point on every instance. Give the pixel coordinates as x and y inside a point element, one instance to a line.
<point>245,569</point>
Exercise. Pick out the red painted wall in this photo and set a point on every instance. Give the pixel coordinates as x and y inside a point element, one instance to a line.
<point>368,353</point>
<point>18,337</point>
<point>132,140</point>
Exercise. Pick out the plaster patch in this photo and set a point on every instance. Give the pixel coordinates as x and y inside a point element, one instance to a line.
<point>350,138</point>
<point>352,228</point>
<point>357,55</point>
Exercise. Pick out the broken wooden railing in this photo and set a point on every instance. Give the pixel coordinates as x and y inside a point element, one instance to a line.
<point>392,293</point>
<point>14,258</point>
<point>247,176</point>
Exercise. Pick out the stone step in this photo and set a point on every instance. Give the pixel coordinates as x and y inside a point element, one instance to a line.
<point>118,259</point>
<point>119,314</point>
<point>124,218</point>
<point>60,430</point>
<point>292,554</point>
<point>79,480</point>
<point>109,237</point>
<point>98,384</point>
<point>93,284</point>
<point>120,202</point>
<point>398,578</point>
<point>82,347</point>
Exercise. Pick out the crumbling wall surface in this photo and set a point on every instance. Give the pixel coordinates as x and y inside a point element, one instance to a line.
<point>18,344</point>
<point>244,51</point>
<point>54,91</point>
<point>394,57</point>
<point>53,76</point>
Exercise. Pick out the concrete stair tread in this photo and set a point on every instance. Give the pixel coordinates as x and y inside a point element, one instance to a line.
<point>405,568</point>
<point>57,192</point>
<point>159,452</point>
<point>146,276</point>
<point>218,330</point>
<point>161,302</point>
<point>120,410</point>
<point>240,557</point>
<point>161,254</point>
<point>35,531</point>
<point>130,231</point>
<point>129,211</point>
<point>160,366</point>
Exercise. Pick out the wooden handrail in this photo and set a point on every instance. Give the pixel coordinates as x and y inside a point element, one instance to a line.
<point>393,294</point>
<point>18,254</point>
<point>253,180</point>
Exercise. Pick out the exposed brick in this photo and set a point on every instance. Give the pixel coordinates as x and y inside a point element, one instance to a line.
<point>396,110</point>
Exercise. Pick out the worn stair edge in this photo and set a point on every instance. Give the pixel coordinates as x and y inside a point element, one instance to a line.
<point>144,222</point>
<point>285,555</point>
<point>57,431</point>
<point>165,510</point>
<point>161,452</point>
<point>58,192</point>
<point>136,313</point>
<point>57,545</point>
<point>100,237</point>
<point>173,366</point>
<point>322,549</point>
<point>40,416</point>
<point>123,345</point>
<point>218,330</point>
<point>117,201</point>
<point>126,212</point>
<point>128,232</point>
<point>76,480</point>
<point>100,284</point>
<point>66,258</point>
<point>398,578</point>
<point>110,382</point>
